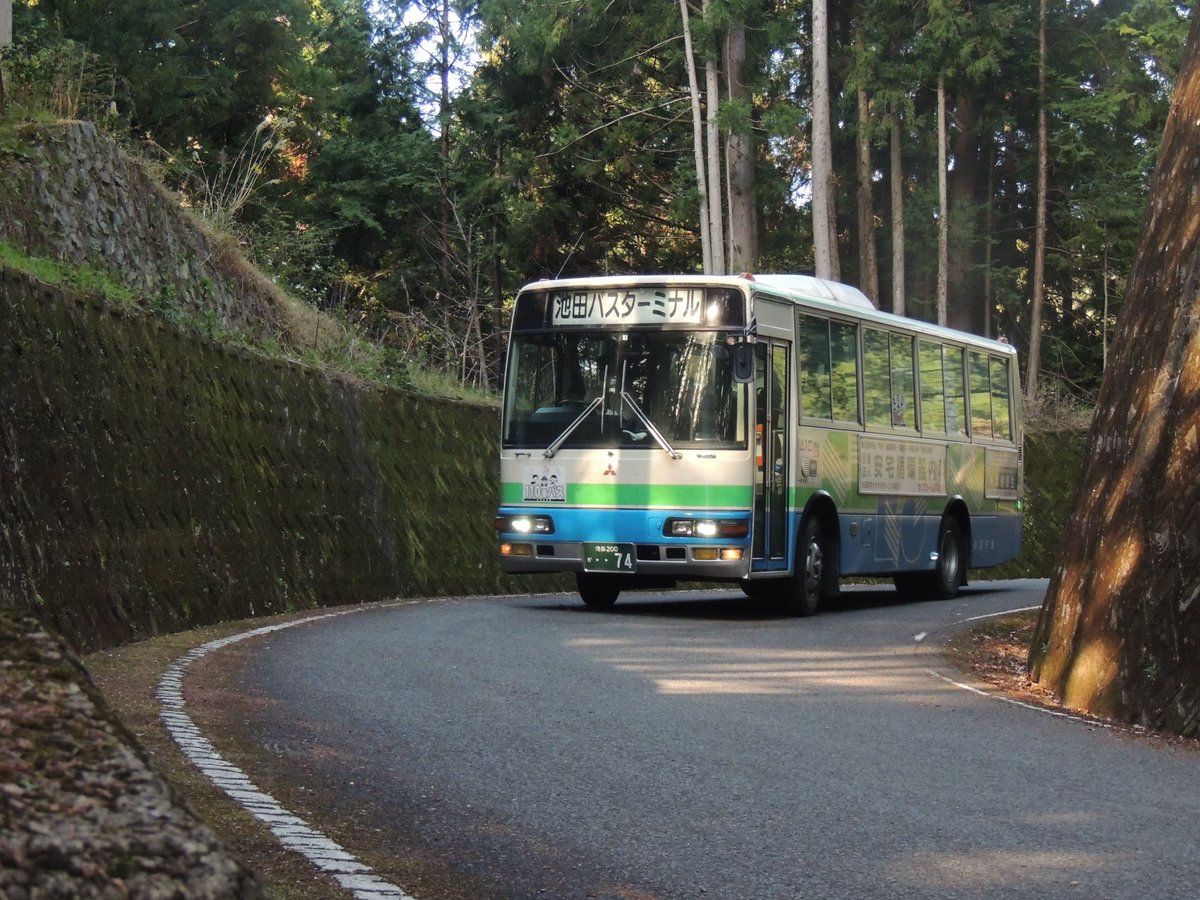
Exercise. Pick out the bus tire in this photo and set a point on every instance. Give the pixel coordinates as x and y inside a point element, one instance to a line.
<point>947,577</point>
<point>597,591</point>
<point>810,583</point>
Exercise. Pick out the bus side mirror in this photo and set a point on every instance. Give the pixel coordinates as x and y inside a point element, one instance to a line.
<point>743,363</point>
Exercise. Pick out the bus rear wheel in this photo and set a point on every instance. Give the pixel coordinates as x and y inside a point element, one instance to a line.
<point>945,580</point>
<point>597,591</point>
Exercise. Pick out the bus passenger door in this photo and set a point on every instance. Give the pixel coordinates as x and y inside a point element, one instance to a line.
<point>770,456</point>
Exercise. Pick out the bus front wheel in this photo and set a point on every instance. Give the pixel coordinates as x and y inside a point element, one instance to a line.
<point>810,583</point>
<point>597,591</point>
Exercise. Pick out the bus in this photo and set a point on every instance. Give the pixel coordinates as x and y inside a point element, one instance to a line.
<point>774,431</point>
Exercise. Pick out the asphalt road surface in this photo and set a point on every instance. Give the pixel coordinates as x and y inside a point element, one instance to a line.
<point>694,745</point>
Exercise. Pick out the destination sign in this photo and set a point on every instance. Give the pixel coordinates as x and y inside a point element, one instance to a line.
<point>629,306</point>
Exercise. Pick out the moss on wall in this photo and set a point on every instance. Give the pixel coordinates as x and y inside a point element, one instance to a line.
<point>154,481</point>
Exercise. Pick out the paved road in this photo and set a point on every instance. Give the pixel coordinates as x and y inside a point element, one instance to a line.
<point>688,746</point>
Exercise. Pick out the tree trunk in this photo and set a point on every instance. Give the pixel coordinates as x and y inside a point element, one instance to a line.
<point>1039,241</point>
<point>868,267</point>
<point>835,259</point>
<point>739,153</point>
<point>943,249</point>
<point>897,178</point>
<point>713,134</point>
<point>444,128</point>
<point>989,224</point>
<point>822,147</point>
<point>716,216</point>
<point>496,357</point>
<point>1104,319</point>
<point>965,311</point>
<point>1119,634</point>
<point>706,235</point>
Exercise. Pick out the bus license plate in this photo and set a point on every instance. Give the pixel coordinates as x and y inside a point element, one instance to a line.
<point>609,558</point>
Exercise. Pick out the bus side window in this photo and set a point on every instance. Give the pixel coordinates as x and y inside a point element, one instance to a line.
<point>903,405</point>
<point>828,368</point>
<point>956,403</point>
<point>814,367</point>
<point>877,378</point>
<point>1001,417</point>
<point>888,382</point>
<point>981,397</point>
<point>843,370</point>
<point>933,397</point>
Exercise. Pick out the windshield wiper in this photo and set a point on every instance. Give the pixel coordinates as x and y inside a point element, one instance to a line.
<point>570,429</point>
<point>650,426</point>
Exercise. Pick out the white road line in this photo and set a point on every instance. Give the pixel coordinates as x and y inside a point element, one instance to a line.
<point>1007,612</point>
<point>993,696</point>
<point>1020,703</point>
<point>291,831</point>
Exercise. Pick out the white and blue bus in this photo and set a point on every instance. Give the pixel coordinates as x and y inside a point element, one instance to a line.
<point>776,431</point>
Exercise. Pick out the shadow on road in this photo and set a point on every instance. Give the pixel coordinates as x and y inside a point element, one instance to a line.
<point>734,606</point>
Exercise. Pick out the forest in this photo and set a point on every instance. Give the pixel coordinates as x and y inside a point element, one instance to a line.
<point>408,164</point>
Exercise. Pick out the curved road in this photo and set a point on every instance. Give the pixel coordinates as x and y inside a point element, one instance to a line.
<point>692,745</point>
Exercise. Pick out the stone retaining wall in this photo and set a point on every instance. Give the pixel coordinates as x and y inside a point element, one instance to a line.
<point>152,480</point>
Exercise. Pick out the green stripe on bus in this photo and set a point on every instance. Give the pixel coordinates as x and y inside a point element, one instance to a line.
<point>649,495</point>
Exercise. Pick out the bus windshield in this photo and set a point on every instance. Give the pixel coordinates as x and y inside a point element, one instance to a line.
<point>630,384</point>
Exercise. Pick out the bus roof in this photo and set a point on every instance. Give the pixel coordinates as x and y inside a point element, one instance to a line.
<point>820,292</point>
<point>805,285</point>
<point>811,286</point>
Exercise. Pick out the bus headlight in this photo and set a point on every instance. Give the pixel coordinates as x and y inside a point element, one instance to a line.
<point>708,528</point>
<point>525,524</point>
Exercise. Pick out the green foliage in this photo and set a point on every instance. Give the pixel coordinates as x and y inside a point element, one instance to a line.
<point>343,349</point>
<point>86,279</point>
<point>48,76</point>
<point>565,145</point>
<point>189,80</point>
<point>297,256</point>
<point>166,303</point>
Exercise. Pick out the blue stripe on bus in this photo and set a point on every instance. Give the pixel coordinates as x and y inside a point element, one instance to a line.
<point>881,545</point>
<point>638,526</point>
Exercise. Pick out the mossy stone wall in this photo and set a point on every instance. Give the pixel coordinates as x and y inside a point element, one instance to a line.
<point>152,480</point>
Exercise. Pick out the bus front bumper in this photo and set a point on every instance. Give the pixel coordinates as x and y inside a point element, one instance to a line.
<point>680,561</point>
